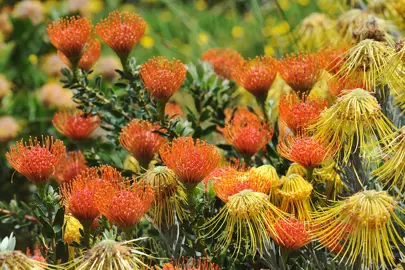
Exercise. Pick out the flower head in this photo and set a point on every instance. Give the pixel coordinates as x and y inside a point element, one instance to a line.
<point>256,75</point>
<point>75,124</point>
<point>291,233</point>
<point>37,256</point>
<point>70,166</point>
<point>170,196</point>
<point>301,71</point>
<point>246,209</point>
<point>305,151</point>
<point>223,61</point>
<point>124,204</point>
<point>142,140</point>
<point>190,264</point>
<point>163,78</point>
<point>9,128</point>
<point>51,64</point>
<point>53,95</point>
<point>352,123</point>
<point>332,58</point>
<point>106,67</point>
<point>368,221</point>
<point>294,196</point>
<point>78,195</point>
<point>89,57</point>
<point>297,114</point>
<point>29,9</point>
<point>191,160</point>
<point>70,36</point>
<point>247,135</point>
<point>121,31</point>
<point>337,85</point>
<point>35,160</point>
<point>18,260</point>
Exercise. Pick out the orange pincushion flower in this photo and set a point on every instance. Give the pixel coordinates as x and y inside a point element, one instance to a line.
<point>301,71</point>
<point>124,204</point>
<point>78,195</point>
<point>163,78</point>
<point>337,85</point>
<point>291,233</point>
<point>89,57</point>
<point>241,114</point>
<point>248,136</point>
<point>332,59</point>
<point>36,161</point>
<point>173,110</point>
<point>141,140</point>
<point>190,264</point>
<point>70,166</point>
<point>306,151</point>
<point>256,75</point>
<point>70,36</point>
<point>298,114</point>
<point>37,256</point>
<point>75,124</point>
<point>230,181</point>
<point>191,160</point>
<point>121,31</point>
<point>223,61</point>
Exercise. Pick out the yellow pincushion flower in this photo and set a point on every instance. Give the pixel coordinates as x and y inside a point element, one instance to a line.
<point>391,172</point>
<point>368,222</point>
<point>72,230</point>
<point>269,173</point>
<point>296,168</point>
<point>353,124</point>
<point>294,196</point>
<point>333,183</point>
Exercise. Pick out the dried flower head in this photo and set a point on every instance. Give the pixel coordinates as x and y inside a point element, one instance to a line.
<point>191,160</point>
<point>121,31</point>
<point>315,31</point>
<point>249,215</point>
<point>352,123</point>
<point>163,78</point>
<point>303,150</point>
<point>70,166</point>
<point>369,223</point>
<point>247,135</point>
<point>9,128</point>
<point>108,254</point>
<point>70,36</point>
<point>89,57</point>
<point>301,71</point>
<point>78,195</point>
<point>35,160</point>
<point>223,61</point>
<point>142,140</point>
<point>294,196</point>
<point>170,196</point>
<point>298,114</point>
<point>292,233</point>
<point>124,204</point>
<point>256,75</point>
<point>75,124</point>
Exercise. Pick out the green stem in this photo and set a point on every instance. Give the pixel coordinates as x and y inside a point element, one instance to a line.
<point>160,107</point>
<point>125,66</point>
<point>86,233</point>
<point>285,255</point>
<point>310,174</point>
<point>262,103</point>
<point>128,233</point>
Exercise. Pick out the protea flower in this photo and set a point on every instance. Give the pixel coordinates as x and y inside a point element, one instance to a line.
<point>332,58</point>
<point>173,110</point>
<point>70,36</point>
<point>51,65</point>
<point>304,150</point>
<point>142,140</point>
<point>123,204</point>
<point>121,31</point>
<point>369,223</point>
<point>294,196</point>
<point>170,197</point>
<point>291,233</point>
<point>337,85</point>
<point>75,124</point>
<point>9,128</point>
<point>70,166</point>
<point>79,195</point>
<point>296,168</point>
<point>190,263</point>
<point>36,255</point>
<point>223,60</point>
<point>328,175</point>
<point>191,160</point>
<point>35,160</point>
<point>243,210</point>
<point>89,57</point>
<point>162,78</point>
<point>348,21</point>
<point>269,173</point>
<point>247,135</point>
<point>298,114</point>
<point>391,171</point>
<point>256,75</point>
<point>107,254</point>
<point>18,260</point>
<point>354,122</point>
<point>301,72</point>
